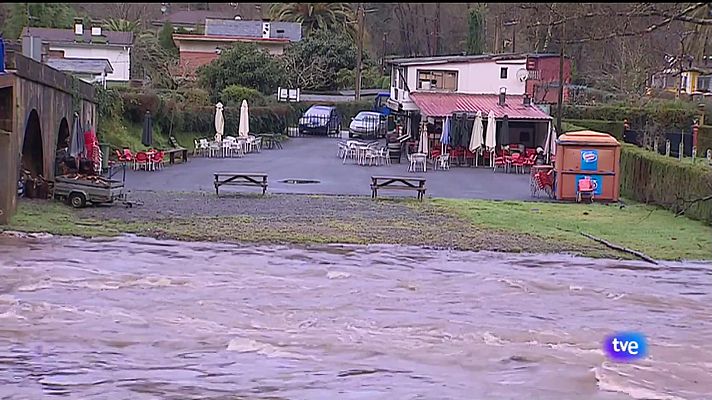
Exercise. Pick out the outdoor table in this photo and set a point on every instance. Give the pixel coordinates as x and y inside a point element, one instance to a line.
<point>397,183</point>
<point>240,179</point>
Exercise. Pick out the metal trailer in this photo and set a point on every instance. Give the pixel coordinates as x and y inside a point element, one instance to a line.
<point>79,192</point>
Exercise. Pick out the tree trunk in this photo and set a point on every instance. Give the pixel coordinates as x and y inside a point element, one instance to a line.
<point>437,29</point>
<point>426,26</point>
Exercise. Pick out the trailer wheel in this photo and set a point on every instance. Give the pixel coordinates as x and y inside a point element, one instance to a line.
<point>77,200</point>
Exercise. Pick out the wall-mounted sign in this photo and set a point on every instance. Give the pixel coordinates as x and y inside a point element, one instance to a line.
<point>288,95</point>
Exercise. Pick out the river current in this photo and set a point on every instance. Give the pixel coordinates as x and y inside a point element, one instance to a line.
<point>137,318</point>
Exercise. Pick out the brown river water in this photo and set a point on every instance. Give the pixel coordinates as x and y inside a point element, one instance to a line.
<point>136,318</point>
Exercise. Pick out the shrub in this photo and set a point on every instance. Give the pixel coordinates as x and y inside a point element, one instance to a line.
<point>667,114</point>
<point>234,94</point>
<point>136,104</point>
<point>109,104</point>
<point>243,64</point>
<point>652,178</point>
<point>196,96</point>
<point>615,128</point>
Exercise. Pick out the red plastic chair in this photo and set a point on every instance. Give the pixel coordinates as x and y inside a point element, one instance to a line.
<point>517,161</point>
<point>585,189</point>
<point>529,161</point>
<point>141,159</point>
<point>120,156</point>
<point>501,159</point>
<point>128,156</point>
<point>158,159</point>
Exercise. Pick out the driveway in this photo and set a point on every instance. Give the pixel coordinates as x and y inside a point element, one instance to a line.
<point>314,158</point>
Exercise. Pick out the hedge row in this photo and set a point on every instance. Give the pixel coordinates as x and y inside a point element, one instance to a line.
<point>268,119</point>
<point>671,115</point>
<point>615,128</point>
<point>652,178</point>
<point>191,111</point>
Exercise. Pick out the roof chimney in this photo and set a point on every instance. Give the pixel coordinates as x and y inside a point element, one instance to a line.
<point>95,28</point>
<point>78,26</point>
<point>266,29</point>
<point>502,96</point>
<point>527,100</point>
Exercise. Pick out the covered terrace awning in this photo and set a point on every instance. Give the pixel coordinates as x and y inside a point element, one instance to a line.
<point>433,104</point>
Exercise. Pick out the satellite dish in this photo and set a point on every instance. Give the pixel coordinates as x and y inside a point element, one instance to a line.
<point>522,75</point>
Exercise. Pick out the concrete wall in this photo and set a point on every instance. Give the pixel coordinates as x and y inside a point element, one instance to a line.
<point>119,57</point>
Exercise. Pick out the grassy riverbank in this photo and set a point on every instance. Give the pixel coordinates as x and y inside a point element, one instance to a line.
<point>460,224</point>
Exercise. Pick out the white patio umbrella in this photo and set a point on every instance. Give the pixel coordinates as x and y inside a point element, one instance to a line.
<point>490,135</point>
<point>550,145</point>
<point>476,137</point>
<point>423,143</point>
<point>219,122</point>
<point>244,129</point>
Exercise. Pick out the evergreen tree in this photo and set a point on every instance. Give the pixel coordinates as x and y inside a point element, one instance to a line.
<point>476,32</point>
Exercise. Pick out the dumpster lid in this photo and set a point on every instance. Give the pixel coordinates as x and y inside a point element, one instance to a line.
<point>588,138</point>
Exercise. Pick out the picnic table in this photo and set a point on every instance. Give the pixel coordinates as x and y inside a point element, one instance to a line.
<point>397,183</point>
<point>240,179</point>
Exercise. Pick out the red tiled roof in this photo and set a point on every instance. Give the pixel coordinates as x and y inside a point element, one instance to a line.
<point>444,104</point>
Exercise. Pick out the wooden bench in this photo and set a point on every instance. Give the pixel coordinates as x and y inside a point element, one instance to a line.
<point>172,155</point>
<point>397,183</point>
<point>177,149</point>
<point>240,179</point>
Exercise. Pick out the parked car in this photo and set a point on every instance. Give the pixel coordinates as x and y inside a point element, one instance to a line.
<point>368,124</point>
<point>320,120</point>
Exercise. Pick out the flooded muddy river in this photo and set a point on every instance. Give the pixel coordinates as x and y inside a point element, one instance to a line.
<point>136,318</point>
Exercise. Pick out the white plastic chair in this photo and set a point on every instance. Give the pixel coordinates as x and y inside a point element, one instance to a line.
<point>226,148</point>
<point>415,159</point>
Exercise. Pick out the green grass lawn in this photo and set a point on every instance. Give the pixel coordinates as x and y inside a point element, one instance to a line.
<point>654,231</point>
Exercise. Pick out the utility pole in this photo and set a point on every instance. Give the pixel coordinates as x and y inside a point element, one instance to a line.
<point>383,59</point>
<point>359,56</point>
<point>561,79</point>
<point>513,24</point>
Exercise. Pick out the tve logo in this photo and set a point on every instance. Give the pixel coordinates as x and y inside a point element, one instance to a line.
<point>625,346</point>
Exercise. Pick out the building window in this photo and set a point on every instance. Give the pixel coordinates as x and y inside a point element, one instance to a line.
<point>503,73</point>
<point>704,83</point>
<point>401,78</point>
<point>437,80</point>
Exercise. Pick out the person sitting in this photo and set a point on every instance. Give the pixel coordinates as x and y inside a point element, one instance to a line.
<point>540,157</point>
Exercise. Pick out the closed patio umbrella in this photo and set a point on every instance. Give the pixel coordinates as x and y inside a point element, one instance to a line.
<point>476,140</point>
<point>490,137</point>
<point>445,137</point>
<point>505,129</point>
<point>550,145</point>
<point>423,143</point>
<point>147,136</point>
<point>244,120</point>
<point>76,142</point>
<point>219,122</point>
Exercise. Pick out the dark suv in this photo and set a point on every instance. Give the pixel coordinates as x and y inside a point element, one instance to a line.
<point>320,120</point>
